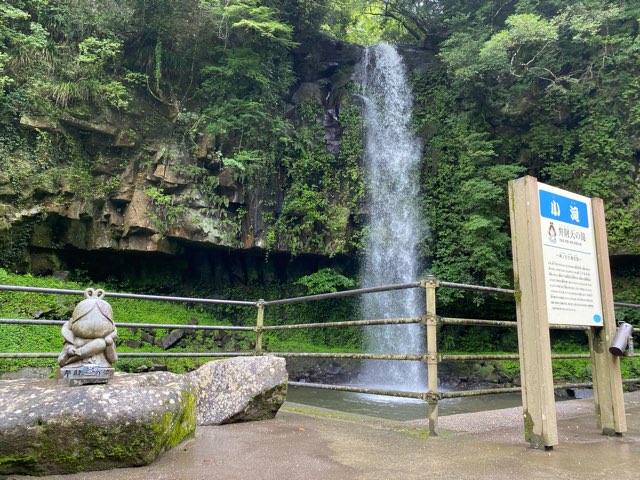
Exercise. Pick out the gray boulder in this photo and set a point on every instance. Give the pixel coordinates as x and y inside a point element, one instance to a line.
<point>46,428</point>
<point>239,389</point>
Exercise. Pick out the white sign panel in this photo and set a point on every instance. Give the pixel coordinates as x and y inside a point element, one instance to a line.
<point>569,255</point>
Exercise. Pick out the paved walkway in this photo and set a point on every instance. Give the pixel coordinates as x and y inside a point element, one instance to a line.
<point>304,443</point>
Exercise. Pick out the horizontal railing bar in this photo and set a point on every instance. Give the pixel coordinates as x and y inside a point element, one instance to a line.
<point>230,328</point>
<point>474,321</point>
<point>184,354</point>
<point>21,321</point>
<point>478,288</point>
<point>169,326</point>
<point>344,293</point>
<point>569,327</point>
<point>372,391</point>
<point>29,355</point>
<point>353,323</point>
<point>475,393</point>
<point>573,385</point>
<point>500,323</point>
<point>626,305</point>
<point>135,354</point>
<point>497,391</point>
<point>506,356</point>
<point>359,356</point>
<point>569,356</point>
<point>465,358</point>
<point>137,296</point>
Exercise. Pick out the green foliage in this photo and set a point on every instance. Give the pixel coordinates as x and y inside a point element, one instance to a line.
<point>165,214</point>
<point>540,88</point>
<point>325,280</point>
<point>324,191</point>
<point>465,187</point>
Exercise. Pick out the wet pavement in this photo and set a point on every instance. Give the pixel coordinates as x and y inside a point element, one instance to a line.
<point>311,443</point>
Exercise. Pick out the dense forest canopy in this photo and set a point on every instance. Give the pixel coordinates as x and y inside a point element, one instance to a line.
<point>547,88</point>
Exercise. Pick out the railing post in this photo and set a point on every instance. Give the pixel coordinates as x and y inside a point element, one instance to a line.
<point>430,285</point>
<point>259,326</point>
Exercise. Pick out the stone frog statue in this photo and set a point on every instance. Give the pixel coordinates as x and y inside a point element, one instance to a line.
<point>90,334</point>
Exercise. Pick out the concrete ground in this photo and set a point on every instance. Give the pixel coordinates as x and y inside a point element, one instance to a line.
<point>309,443</point>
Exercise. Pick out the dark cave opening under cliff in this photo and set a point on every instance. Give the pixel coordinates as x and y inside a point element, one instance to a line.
<point>195,269</point>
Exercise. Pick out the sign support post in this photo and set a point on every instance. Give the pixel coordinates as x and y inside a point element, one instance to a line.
<point>607,380</point>
<point>534,343</point>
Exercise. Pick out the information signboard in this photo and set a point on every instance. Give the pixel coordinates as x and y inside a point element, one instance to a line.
<point>569,254</point>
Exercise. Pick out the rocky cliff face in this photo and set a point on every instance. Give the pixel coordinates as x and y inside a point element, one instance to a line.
<point>146,181</point>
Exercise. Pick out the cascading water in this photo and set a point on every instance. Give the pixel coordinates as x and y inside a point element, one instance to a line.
<point>392,156</point>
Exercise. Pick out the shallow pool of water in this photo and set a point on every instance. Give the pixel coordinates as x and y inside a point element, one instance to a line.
<point>400,408</point>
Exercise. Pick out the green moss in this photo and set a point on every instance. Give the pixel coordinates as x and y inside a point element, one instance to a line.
<point>528,426</point>
<point>175,428</point>
<point>20,463</point>
<point>316,413</point>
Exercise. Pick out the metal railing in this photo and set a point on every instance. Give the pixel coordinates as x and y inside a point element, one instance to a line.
<point>431,358</point>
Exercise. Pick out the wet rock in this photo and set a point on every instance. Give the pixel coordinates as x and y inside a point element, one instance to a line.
<point>239,389</point>
<point>308,91</point>
<point>170,340</point>
<point>147,337</point>
<point>89,126</point>
<point>39,123</point>
<point>47,428</point>
<point>136,215</point>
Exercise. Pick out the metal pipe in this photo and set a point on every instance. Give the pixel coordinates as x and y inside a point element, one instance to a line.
<point>494,391</point>
<point>569,327</point>
<point>344,293</point>
<point>231,328</point>
<point>506,356</point>
<point>569,356</point>
<point>466,358</point>
<point>359,356</point>
<point>631,380</point>
<point>626,305</point>
<point>159,298</point>
<point>183,354</point>
<point>29,355</point>
<point>354,323</point>
<point>19,321</point>
<point>135,354</point>
<point>473,321</point>
<point>478,288</point>
<point>373,391</point>
<point>476,393</point>
<point>171,326</point>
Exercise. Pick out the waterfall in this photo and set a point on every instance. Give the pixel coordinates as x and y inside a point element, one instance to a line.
<point>392,157</point>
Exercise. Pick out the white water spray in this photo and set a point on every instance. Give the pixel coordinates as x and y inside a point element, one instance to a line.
<point>392,157</point>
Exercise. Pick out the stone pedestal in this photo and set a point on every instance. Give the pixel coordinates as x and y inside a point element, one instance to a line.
<point>84,375</point>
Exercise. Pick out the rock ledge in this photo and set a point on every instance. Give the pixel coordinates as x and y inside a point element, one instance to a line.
<point>46,428</point>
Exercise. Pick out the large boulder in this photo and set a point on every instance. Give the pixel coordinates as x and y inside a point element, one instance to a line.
<point>239,389</point>
<point>46,428</point>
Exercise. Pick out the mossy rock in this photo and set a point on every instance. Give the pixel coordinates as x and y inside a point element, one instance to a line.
<point>46,428</point>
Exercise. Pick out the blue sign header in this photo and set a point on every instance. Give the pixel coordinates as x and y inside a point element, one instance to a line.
<point>563,209</point>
